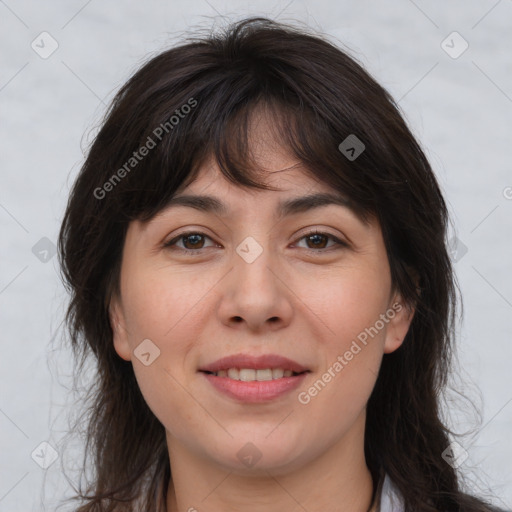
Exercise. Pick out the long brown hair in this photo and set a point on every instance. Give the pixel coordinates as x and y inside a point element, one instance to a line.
<point>318,96</point>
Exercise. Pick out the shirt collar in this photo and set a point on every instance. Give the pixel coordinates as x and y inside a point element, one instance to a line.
<point>391,499</point>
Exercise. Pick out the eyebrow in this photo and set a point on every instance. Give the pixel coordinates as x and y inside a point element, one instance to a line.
<point>285,207</point>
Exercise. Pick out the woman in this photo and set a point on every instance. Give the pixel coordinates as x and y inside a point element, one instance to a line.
<point>255,250</point>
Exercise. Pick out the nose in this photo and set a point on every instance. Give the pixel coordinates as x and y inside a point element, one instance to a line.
<point>255,295</point>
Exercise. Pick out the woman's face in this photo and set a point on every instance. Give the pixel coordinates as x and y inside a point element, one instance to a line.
<point>255,283</point>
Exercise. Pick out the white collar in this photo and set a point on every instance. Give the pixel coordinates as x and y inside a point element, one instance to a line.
<point>390,499</point>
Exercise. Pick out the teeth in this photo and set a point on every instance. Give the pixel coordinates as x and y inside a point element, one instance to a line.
<point>247,375</point>
<point>233,374</point>
<point>277,373</point>
<point>250,374</point>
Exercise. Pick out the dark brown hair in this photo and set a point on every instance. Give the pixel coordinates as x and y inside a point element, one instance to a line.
<point>317,95</point>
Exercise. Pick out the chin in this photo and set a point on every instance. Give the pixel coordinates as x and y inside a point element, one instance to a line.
<point>262,453</point>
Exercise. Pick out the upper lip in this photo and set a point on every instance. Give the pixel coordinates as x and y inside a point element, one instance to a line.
<point>261,362</point>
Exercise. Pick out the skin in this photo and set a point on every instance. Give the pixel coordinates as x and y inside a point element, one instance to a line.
<point>289,301</point>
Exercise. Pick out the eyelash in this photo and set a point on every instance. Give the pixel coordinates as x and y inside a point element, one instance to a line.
<point>195,252</point>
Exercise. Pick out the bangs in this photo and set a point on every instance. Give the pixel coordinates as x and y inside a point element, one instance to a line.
<point>219,130</point>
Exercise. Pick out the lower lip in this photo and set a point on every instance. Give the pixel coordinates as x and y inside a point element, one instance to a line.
<point>255,391</point>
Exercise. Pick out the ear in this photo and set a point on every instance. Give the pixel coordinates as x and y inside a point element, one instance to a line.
<point>401,316</point>
<point>399,325</point>
<point>119,333</point>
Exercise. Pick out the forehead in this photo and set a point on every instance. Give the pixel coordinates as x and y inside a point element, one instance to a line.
<point>292,184</point>
<point>297,191</point>
<point>285,175</point>
<point>271,163</point>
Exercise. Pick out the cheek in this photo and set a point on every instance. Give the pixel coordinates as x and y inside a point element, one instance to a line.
<point>349,301</point>
<point>343,399</point>
<point>350,306</point>
<point>350,365</point>
<point>160,301</point>
<point>169,309</point>
<point>166,308</point>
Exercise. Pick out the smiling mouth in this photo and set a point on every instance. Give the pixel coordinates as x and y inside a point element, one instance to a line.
<point>251,374</point>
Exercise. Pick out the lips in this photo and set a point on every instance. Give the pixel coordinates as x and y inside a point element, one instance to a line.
<point>254,392</point>
<point>262,362</point>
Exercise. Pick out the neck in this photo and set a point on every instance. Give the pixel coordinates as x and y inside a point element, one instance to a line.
<point>336,479</point>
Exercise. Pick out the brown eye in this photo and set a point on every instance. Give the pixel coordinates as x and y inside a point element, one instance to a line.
<point>317,241</point>
<point>193,242</point>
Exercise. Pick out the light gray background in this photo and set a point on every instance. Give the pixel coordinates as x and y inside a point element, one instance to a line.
<point>459,108</point>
